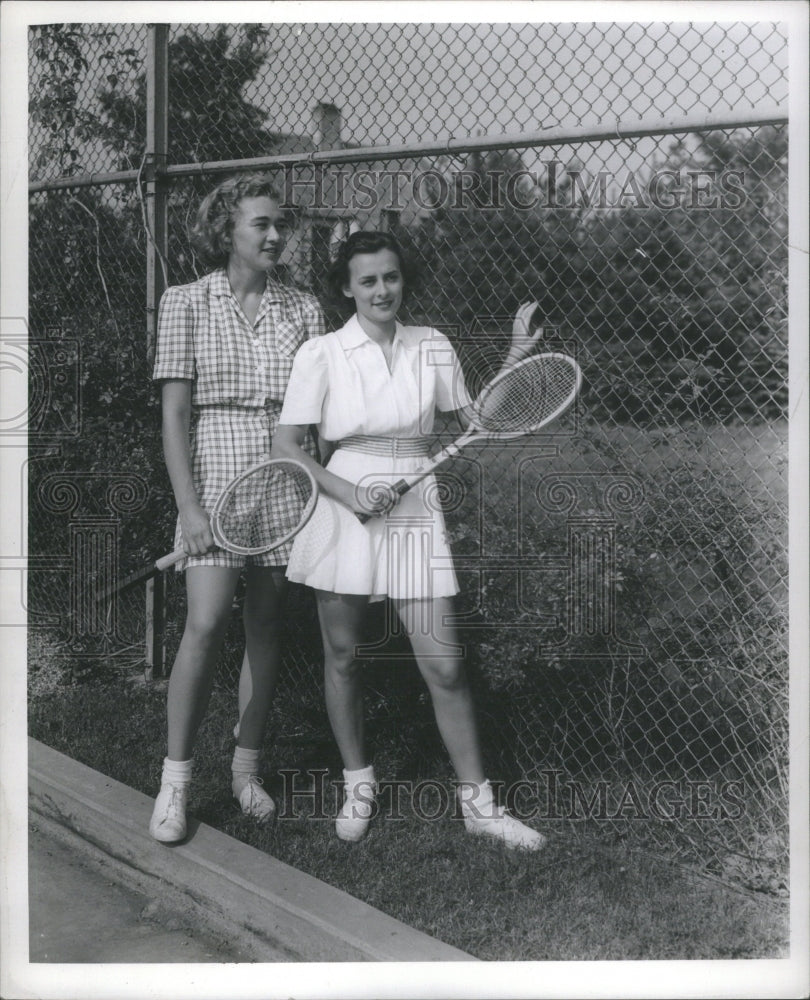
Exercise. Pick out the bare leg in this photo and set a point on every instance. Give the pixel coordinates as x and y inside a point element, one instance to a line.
<point>210,592</point>
<point>446,678</point>
<point>260,665</point>
<point>341,618</point>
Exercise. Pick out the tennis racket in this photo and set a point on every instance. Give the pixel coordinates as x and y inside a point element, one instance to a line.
<point>258,511</point>
<point>520,400</point>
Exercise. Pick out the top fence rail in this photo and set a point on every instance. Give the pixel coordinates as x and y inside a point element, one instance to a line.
<point>368,154</point>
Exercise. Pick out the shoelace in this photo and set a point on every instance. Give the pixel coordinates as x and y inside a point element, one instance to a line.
<point>174,809</point>
<point>260,804</point>
<point>252,781</point>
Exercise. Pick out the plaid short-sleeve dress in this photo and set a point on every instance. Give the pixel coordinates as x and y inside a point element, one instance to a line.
<point>239,374</point>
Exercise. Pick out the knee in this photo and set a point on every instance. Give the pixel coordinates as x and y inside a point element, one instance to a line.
<point>340,656</point>
<point>205,629</point>
<point>446,674</point>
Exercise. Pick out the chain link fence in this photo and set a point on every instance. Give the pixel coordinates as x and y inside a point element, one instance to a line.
<point>624,576</point>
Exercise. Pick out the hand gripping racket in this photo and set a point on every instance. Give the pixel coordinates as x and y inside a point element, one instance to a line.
<point>518,401</point>
<point>261,509</point>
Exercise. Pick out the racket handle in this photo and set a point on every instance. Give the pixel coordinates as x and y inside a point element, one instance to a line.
<point>173,557</point>
<point>401,487</point>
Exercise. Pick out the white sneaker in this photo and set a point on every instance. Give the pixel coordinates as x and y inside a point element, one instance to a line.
<point>357,810</point>
<point>255,801</point>
<point>168,823</point>
<point>500,825</point>
<point>486,818</point>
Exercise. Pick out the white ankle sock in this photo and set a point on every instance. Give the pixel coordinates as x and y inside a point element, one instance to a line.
<point>477,799</point>
<point>176,772</point>
<point>245,762</point>
<point>361,775</point>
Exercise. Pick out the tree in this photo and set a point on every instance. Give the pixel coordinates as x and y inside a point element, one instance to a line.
<point>59,104</point>
<point>692,288</point>
<point>209,117</point>
<point>87,261</point>
<point>677,294</point>
<point>486,249</point>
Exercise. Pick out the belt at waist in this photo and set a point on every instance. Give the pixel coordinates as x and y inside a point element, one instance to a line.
<point>269,406</point>
<point>393,447</point>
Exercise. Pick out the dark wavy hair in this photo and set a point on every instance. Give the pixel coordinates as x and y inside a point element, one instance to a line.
<point>211,232</point>
<point>366,242</point>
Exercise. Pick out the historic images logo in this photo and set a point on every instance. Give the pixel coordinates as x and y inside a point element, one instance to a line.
<point>552,185</point>
<point>555,797</point>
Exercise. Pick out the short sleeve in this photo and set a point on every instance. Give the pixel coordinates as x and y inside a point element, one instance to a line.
<point>451,390</point>
<point>174,354</point>
<point>314,322</point>
<point>308,385</point>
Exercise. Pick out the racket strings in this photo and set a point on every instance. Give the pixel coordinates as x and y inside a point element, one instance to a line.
<point>263,507</point>
<point>528,396</point>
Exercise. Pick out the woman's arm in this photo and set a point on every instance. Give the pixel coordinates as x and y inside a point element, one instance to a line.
<point>523,340</point>
<point>176,409</point>
<point>522,344</point>
<point>287,444</point>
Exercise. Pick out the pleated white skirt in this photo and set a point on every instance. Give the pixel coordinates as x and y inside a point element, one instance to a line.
<point>405,555</point>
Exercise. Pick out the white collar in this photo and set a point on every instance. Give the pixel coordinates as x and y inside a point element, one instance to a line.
<point>351,335</point>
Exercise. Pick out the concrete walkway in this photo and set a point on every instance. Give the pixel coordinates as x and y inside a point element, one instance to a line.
<point>80,911</point>
<point>210,894</point>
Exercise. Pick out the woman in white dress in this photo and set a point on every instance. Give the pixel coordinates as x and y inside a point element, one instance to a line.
<point>372,389</point>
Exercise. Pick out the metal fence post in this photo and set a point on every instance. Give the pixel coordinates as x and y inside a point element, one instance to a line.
<point>155,644</point>
<point>155,158</point>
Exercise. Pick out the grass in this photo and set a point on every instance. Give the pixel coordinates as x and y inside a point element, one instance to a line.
<point>576,899</point>
<point>715,652</point>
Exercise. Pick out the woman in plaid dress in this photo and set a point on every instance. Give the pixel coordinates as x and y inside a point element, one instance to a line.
<point>372,388</point>
<point>224,354</point>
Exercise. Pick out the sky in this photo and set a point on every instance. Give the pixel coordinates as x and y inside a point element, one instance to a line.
<point>404,83</point>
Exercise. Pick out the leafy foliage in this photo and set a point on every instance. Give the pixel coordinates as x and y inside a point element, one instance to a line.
<point>209,117</point>
<point>57,105</point>
<point>678,299</point>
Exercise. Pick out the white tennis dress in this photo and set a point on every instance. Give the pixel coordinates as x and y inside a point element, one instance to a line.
<point>341,382</point>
